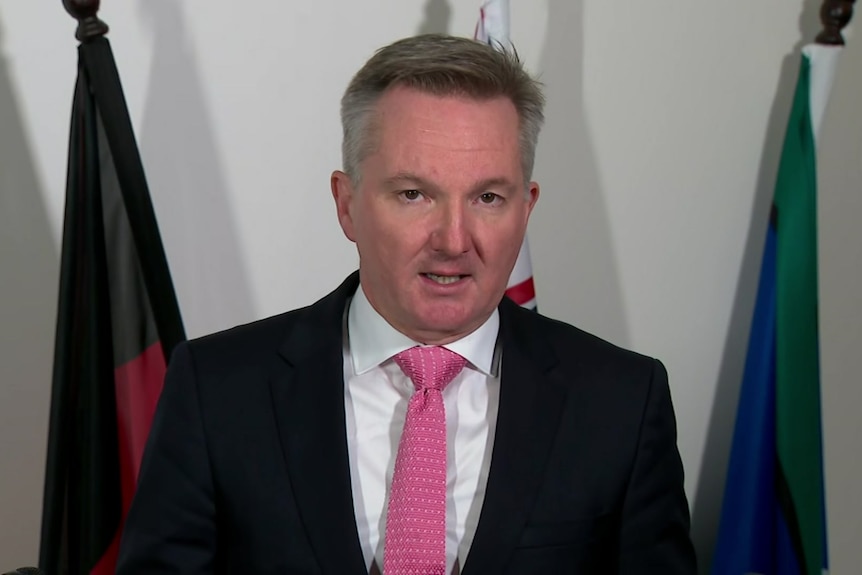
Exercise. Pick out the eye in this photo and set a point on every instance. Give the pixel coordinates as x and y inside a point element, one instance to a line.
<point>490,198</point>
<point>411,195</point>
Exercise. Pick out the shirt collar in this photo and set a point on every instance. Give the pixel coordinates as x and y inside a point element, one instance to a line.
<point>373,340</point>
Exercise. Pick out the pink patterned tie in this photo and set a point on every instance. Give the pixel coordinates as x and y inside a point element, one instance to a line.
<point>415,542</point>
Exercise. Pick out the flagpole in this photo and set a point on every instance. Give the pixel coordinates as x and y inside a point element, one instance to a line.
<point>835,15</point>
<point>89,24</point>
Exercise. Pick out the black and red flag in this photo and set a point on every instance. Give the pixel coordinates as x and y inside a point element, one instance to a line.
<point>117,323</point>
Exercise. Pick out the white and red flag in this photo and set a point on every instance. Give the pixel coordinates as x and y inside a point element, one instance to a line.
<point>493,28</point>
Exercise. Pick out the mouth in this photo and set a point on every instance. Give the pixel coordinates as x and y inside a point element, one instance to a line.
<point>443,279</point>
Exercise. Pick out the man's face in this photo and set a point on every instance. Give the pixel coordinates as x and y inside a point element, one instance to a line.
<point>440,212</point>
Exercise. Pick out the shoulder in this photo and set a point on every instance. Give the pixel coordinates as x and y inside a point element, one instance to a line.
<point>247,350</point>
<point>258,344</point>
<point>571,346</point>
<point>254,338</point>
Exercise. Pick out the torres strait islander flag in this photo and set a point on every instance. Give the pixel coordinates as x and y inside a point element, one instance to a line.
<point>493,29</point>
<point>117,322</point>
<point>773,518</point>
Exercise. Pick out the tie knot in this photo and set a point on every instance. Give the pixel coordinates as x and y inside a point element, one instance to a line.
<point>430,367</point>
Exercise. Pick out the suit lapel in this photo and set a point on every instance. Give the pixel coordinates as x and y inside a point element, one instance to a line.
<point>308,400</point>
<point>528,417</point>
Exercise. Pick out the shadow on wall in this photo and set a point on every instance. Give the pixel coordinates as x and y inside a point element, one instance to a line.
<point>187,183</point>
<point>575,264</point>
<point>29,275</point>
<point>710,490</point>
<point>438,15</point>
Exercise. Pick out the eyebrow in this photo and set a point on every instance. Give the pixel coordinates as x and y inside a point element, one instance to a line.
<point>402,178</point>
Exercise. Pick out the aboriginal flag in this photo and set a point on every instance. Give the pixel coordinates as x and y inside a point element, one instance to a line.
<point>117,322</point>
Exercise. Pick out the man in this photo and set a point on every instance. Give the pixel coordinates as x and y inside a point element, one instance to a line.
<point>313,442</point>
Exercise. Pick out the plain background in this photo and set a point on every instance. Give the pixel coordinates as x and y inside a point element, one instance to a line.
<point>665,122</point>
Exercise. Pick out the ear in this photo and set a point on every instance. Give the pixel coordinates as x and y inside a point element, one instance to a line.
<point>532,198</point>
<point>342,193</point>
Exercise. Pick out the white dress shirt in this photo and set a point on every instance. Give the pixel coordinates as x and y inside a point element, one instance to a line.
<point>376,393</point>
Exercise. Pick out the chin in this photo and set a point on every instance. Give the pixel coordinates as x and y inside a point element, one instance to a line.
<point>447,322</point>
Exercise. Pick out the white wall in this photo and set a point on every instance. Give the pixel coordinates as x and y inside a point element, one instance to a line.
<point>657,163</point>
<point>840,205</point>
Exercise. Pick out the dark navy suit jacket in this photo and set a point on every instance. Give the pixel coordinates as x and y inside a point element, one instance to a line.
<point>246,468</point>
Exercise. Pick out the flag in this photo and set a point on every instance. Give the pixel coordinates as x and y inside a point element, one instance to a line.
<point>773,519</point>
<point>117,322</point>
<point>493,28</point>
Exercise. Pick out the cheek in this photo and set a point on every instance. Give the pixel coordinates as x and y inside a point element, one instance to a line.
<point>500,240</point>
<point>391,247</point>
<point>401,239</point>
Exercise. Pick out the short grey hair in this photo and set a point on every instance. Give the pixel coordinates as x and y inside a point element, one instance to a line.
<point>445,66</point>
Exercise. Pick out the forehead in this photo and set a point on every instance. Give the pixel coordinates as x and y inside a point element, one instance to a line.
<point>416,127</point>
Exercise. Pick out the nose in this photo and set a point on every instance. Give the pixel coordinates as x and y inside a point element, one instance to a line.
<point>451,236</point>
